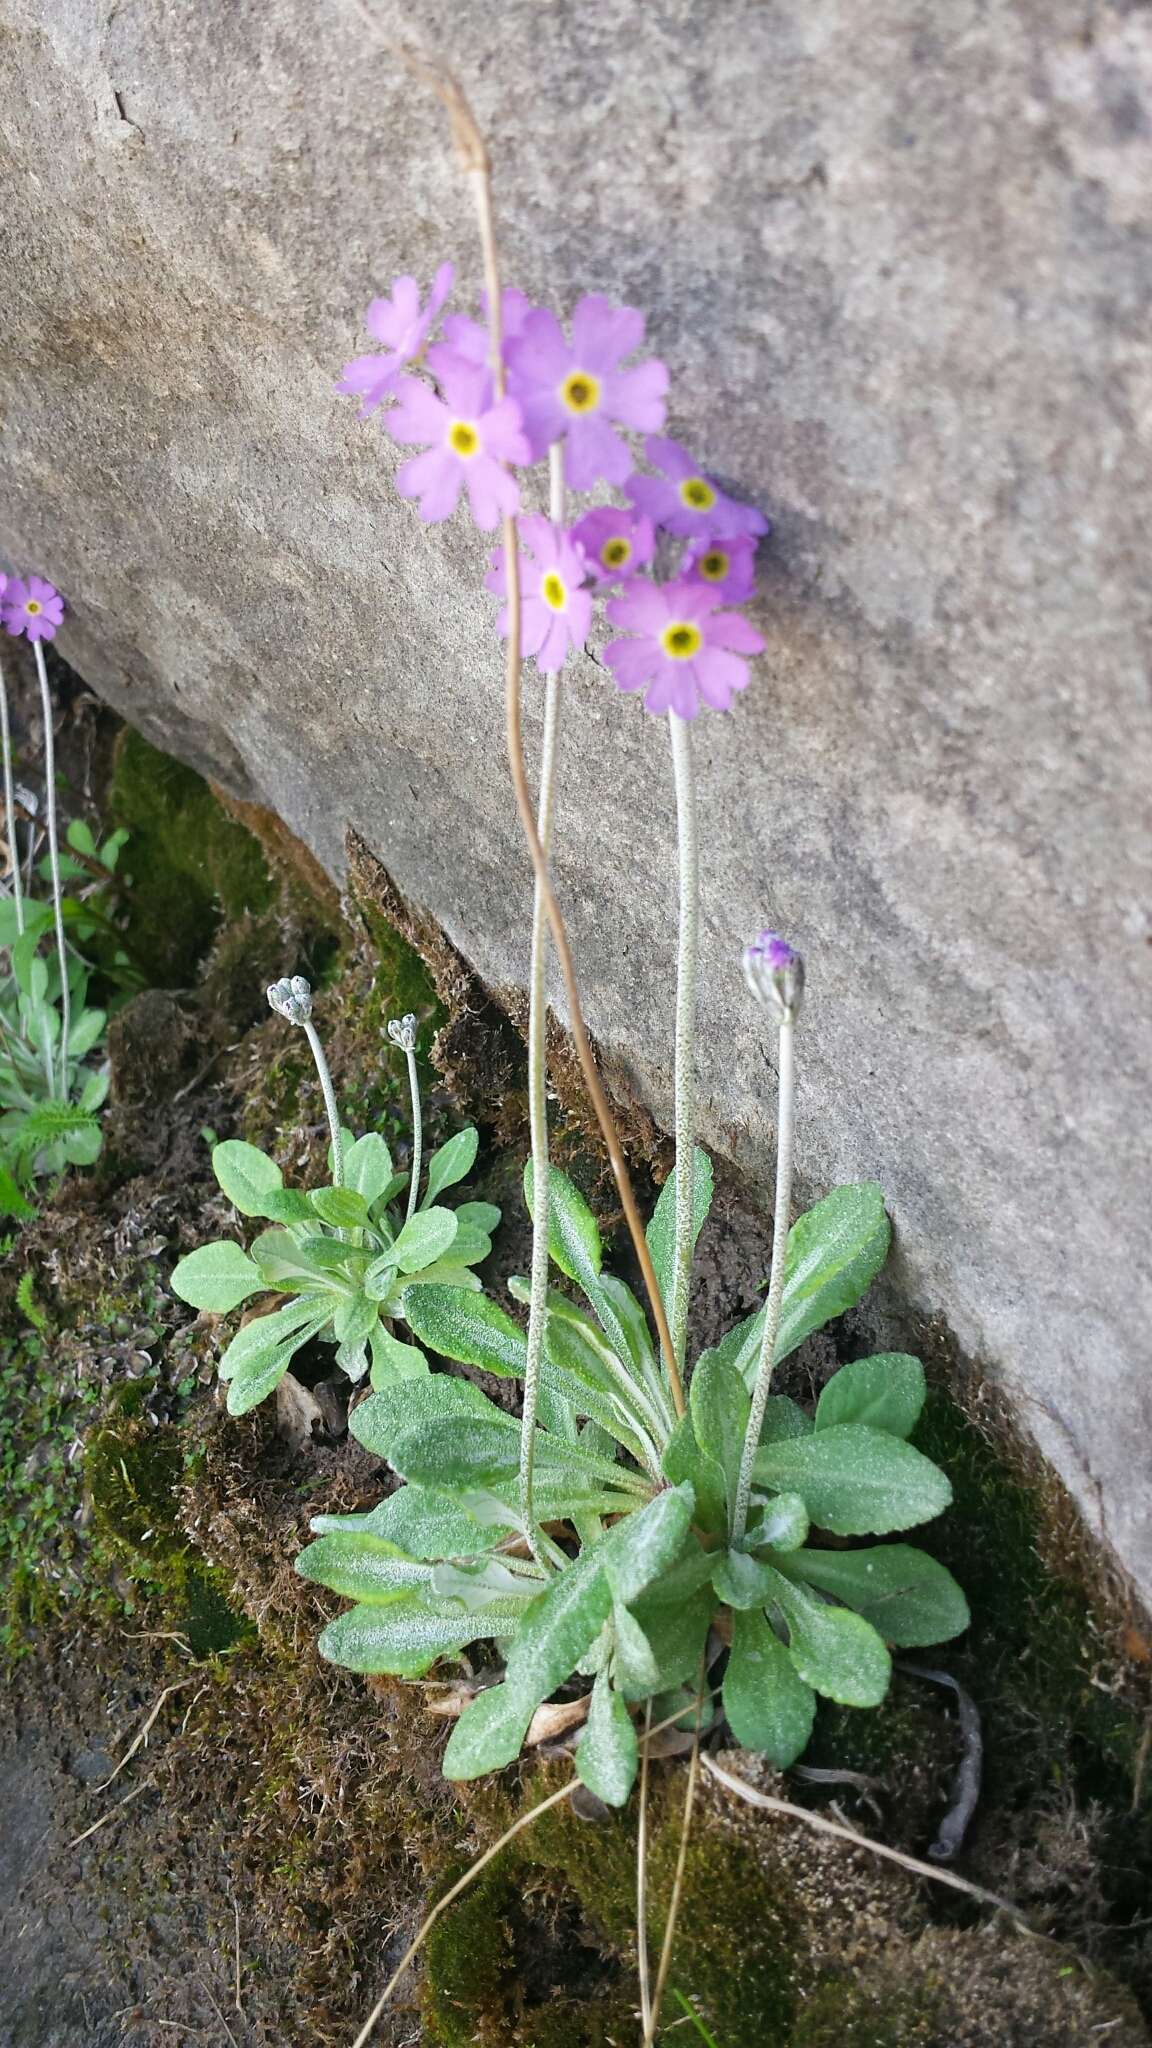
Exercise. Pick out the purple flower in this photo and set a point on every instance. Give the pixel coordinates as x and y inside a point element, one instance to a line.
<point>616,542</point>
<point>683,500</point>
<point>555,610</point>
<point>403,327</point>
<point>32,607</point>
<point>774,972</point>
<point>726,566</point>
<point>468,438</point>
<point>577,388</point>
<point>687,652</point>
<point>469,338</point>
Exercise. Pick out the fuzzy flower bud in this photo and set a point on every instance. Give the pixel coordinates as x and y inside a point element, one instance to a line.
<point>402,1032</point>
<point>774,972</point>
<point>291,998</point>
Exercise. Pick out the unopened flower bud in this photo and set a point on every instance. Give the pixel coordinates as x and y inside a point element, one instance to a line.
<point>291,998</point>
<point>774,972</point>
<point>402,1032</point>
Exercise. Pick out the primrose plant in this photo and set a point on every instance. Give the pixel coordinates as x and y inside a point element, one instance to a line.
<point>52,1079</point>
<point>348,1256</point>
<point>653,1530</point>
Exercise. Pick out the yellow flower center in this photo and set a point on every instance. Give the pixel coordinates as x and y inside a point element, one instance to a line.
<point>580,391</point>
<point>33,607</point>
<point>615,553</point>
<point>714,565</point>
<point>697,492</point>
<point>463,438</point>
<point>681,640</point>
<point>553,592</point>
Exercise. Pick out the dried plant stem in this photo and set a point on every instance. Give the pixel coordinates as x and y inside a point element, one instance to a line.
<point>642,1875</point>
<point>417,1132</point>
<point>450,1897</point>
<point>767,1802</point>
<point>677,1881</point>
<point>54,861</point>
<point>784,1138</point>
<point>538,1069</point>
<point>689,865</point>
<point>10,807</point>
<point>474,157</point>
<point>329,1093</point>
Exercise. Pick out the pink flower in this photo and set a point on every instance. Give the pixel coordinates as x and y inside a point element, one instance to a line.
<point>403,327</point>
<point>555,611</point>
<point>32,607</point>
<point>468,439</point>
<point>616,542</point>
<point>726,566</point>
<point>469,338</point>
<point>684,500</point>
<point>577,389</point>
<point>687,652</point>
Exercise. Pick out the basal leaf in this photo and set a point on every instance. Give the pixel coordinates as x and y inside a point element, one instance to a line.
<point>780,1526</point>
<point>908,1597</point>
<point>478,1216</point>
<point>856,1481</point>
<point>607,1753</point>
<point>836,1652</point>
<point>646,1545</point>
<point>573,1237</point>
<point>451,1163</point>
<point>425,1238</point>
<point>421,1521</point>
<point>661,1231</point>
<point>557,1629</point>
<point>343,1208</point>
<point>368,1167</point>
<point>246,1175</point>
<point>392,1360</point>
<point>405,1637</point>
<point>719,1404</point>
<point>354,1320</point>
<point>362,1566</point>
<point>684,1460</point>
<point>488,1735</point>
<point>217,1277</point>
<point>885,1392</point>
<point>769,1707</point>
<point>467,1327</point>
<point>384,1417</point>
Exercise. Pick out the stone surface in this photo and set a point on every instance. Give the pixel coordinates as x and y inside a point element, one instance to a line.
<point>898,259</point>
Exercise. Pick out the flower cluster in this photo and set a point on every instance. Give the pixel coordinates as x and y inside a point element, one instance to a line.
<point>584,391</point>
<point>30,606</point>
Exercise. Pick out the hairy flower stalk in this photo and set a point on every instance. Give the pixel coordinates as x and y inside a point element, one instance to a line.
<point>10,806</point>
<point>54,863</point>
<point>538,1063</point>
<point>291,999</point>
<point>403,1034</point>
<point>775,974</point>
<point>689,863</point>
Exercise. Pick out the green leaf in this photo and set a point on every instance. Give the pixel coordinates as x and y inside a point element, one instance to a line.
<point>684,1460</point>
<point>380,1421</point>
<point>368,1167</point>
<point>856,1481</point>
<point>260,1353</point>
<point>392,1360</point>
<point>488,1735</point>
<point>406,1636</point>
<point>573,1238</point>
<point>425,1238</point>
<point>421,1521</point>
<point>218,1276</point>
<point>634,1660</point>
<point>380,1276</point>
<point>908,1597</point>
<point>466,1452</point>
<point>675,1614</point>
<point>836,1652</point>
<point>607,1753</point>
<point>467,1327</point>
<point>246,1175</point>
<point>557,1629</point>
<point>354,1320</point>
<point>451,1163</point>
<point>719,1404</point>
<point>661,1231</point>
<point>286,1264</point>
<point>834,1253</point>
<point>741,1581</point>
<point>12,1202</point>
<point>287,1205</point>
<point>769,1707</point>
<point>470,1246</point>
<point>343,1208</point>
<point>782,1526</point>
<point>885,1392</point>
<point>482,1216</point>
<point>362,1566</point>
<point>85,1031</point>
<point>646,1545</point>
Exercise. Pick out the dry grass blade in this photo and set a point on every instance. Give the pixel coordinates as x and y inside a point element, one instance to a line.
<point>678,1879</point>
<point>768,1803</point>
<point>105,1818</point>
<point>129,1753</point>
<point>642,1874</point>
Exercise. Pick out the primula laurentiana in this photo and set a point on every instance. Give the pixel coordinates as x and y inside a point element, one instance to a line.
<point>683,500</point>
<point>468,437</point>
<point>616,542</point>
<point>402,326</point>
<point>555,610</point>
<point>31,606</point>
<point>470,339</point>
<point>774,971</point>
<point>726,566</point>
<point>686,654</point>
<point>578,391</point>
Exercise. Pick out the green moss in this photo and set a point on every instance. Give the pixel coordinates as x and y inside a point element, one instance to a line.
<point>191,867</point>
<point>470,1957</point>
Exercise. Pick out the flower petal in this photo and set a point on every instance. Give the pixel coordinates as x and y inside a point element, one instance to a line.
<point>602,333</point>
<point>594,450</point>
<point>631,663</point>
<point>637,397</point>
<point>434,478</point>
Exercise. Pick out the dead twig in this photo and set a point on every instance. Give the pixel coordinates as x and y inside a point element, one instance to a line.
<point>111,1815</point>
<point>133,1746</point>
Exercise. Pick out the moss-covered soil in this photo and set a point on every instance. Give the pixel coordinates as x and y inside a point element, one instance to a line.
<point>284,1825</point>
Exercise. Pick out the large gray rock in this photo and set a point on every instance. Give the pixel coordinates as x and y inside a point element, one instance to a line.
<point>898,260</point>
